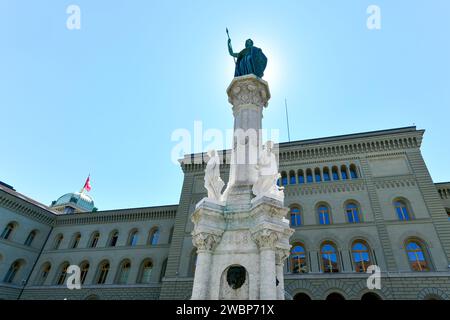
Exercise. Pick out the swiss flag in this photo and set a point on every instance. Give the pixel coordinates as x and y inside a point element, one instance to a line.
<point>87,185</point>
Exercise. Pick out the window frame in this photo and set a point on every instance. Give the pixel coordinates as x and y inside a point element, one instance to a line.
<point>319,214</point>
<point>8,231</point>
<point>336,252</point>
<point>426,256</point>
<point>369,254</point>
<point>356,208</point>
<point>305,258</point>
<point>298,215</point>
<point>406,205</point>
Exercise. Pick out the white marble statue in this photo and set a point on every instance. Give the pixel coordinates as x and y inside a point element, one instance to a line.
<point>266,184</point>
<point>213,182</point>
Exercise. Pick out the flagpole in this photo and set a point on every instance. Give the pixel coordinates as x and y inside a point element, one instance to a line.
<point>287,119</point>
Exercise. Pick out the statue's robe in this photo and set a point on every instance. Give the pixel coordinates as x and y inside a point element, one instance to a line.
<point>251,61</point>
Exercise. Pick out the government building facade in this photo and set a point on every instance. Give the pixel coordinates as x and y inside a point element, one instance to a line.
<point>355,200</point>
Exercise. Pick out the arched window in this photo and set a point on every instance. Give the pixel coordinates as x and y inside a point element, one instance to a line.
<point>284,179</point>
<point>402,210</point>
<point>12,271</point>
<point>145,274</point>
<point>113,238</point>
<point>7,232</point>
<point>153,238</point>
<point>30,238</point>
<point>329,258</point>
<point>301,176</point>
<point>309,176</point>
<point>323,212</point>
<point>58,239</point>
<point>353,212</point>
<point>170,235</point>
<point>297,259</point>
<point>133,238</point>
<point>361,256</point>
<point>193,263</point>
<point>335,173</point>
<point>94,239</point>
<point>296,216</point>
<point>43,274</point>
<point>335,296</point>
<point>302,297</point>
<point>62,273</point>
<point>102,273</point>
<point>370,296</point>
<point>292,178</point>
<point>75,240</point>
<point>417,256</point>
<point>344,174</point>
<point>163,270</point>
<point>124,271</point>
<point>326,174</point>
<point>353,172</point>
<point>84,268</point>
<point>317,175</point>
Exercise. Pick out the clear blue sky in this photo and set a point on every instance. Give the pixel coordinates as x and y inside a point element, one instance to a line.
<point>105,99</point>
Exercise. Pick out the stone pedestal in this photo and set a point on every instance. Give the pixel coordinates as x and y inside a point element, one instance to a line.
<point>256,239</point>
<point>242,241</point>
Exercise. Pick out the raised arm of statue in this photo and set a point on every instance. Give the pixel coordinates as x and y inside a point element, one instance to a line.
<point>230,50</point>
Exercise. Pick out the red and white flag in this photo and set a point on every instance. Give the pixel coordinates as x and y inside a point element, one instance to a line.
<point>87,185</point>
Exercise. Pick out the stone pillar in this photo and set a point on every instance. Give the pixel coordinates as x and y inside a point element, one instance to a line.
<point>281,255</point>
<point>248,95</point>
<point>205,243</point>
<point>266,240</point>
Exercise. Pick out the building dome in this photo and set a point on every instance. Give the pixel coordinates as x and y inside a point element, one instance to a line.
<point>80,202</point>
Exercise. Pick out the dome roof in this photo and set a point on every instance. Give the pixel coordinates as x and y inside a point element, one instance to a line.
<point>81,200</point>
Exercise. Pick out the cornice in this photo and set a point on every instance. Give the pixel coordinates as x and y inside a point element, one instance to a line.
<point>112,216</point>
<point>23,207</point>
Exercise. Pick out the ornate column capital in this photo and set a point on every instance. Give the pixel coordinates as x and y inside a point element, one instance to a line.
<point>205,241</point>
<point>281,254</point>
<point>265,238</point>
<point>248,89</point>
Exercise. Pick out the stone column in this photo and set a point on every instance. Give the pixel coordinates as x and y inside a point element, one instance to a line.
<point>281,255</point>
<point>205,243</point>
<point>266,240</point>
<point>248,95</point>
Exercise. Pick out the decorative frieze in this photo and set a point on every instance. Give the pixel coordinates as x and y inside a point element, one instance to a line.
<point>323,188</point>
<point>395,182</point>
